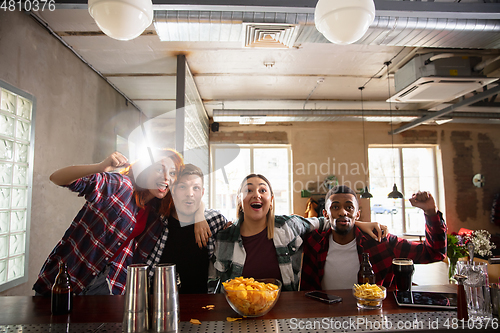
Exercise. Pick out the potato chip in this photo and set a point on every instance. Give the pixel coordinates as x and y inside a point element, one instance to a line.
<point>369,294</point>
<point>195,321</point>
<point>233,319</point>
<point>368,291</point>
<point>249,296</point>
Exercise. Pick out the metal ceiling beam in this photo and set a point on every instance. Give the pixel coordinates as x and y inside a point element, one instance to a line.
<point>313,112</point>
<point>449,109</point>
<point>476,10</point>
<point>344,112</point>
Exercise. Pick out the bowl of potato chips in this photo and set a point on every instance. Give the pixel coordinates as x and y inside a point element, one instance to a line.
<point>369,296</point>
<point>251,297</point>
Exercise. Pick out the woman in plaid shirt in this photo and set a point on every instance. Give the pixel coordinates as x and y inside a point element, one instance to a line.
<point>118,225</point>
<point>262,245</point>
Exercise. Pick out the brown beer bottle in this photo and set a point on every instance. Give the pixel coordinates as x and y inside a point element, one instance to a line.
<point>62,294</point>
<point>365,273</point>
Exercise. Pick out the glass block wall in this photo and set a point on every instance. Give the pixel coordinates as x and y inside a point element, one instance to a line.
<point>16,142</point>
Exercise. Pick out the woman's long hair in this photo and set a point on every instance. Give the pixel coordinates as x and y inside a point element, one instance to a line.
<point>167,203</point>
<point>270,213</point>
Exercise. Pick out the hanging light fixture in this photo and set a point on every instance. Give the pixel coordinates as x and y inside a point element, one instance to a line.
<point>395,194</point>
<point>366,194</point>
<point>344,22</point>
<point>122,19</point>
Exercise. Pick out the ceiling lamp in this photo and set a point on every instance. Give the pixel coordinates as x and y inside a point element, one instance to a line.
<point>395,194</point>
<point>366,194</point>
<point>122,19</point>
<point>344,22</point>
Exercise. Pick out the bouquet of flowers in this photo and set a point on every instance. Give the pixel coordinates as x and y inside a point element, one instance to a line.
<point>457,246</point>
<point>482,242</point>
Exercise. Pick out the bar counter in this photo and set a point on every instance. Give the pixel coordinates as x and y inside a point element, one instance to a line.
<point>293,312</point>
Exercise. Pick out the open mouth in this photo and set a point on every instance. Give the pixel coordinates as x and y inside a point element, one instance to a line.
<point>162,187</point>
<point>256,205</point>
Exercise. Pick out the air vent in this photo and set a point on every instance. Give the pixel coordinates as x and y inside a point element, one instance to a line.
<point>276,36</point>
<point>438,89</point>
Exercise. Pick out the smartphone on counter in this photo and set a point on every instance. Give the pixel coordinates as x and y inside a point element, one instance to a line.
<point>324,297</point>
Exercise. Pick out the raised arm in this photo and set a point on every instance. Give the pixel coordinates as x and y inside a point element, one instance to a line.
<point>434,246</point>
<point>424,201</point>
<point>68,175</point>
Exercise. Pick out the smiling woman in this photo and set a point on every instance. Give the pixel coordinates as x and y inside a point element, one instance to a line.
<point>260,244</point>
<point>118,225</point>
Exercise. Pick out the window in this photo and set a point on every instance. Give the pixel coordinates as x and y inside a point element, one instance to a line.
<point>16,163</point>
<point>196,132</point>
<point>412,169</point>
<point>273,162</point>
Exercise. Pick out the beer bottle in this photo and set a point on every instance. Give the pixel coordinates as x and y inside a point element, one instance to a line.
<point>365,273</point>
<point>62,294</point>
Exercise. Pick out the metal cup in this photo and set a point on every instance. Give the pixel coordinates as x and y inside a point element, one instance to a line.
<point>165,299</point>
<point>136,317</point>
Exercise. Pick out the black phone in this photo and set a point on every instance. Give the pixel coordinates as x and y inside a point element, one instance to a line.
<point>324,297</point>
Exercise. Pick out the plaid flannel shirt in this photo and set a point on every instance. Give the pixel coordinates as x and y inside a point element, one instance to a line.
<point>216,222</point>
<point>288,232</point>
<point>97,232</point>
<point>381,254</point>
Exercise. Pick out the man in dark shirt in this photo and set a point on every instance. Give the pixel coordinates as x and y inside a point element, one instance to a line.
<point>179,243</point>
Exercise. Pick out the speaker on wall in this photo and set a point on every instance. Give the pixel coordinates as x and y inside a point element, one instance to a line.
<point>215,127</point>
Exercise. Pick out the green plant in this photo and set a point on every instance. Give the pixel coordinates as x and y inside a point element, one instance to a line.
<point>455,250</point>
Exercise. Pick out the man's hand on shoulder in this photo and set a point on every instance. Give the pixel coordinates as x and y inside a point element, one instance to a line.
<point>424,201</point>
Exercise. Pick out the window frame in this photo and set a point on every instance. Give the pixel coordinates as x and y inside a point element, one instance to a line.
<point>31,149</point>
<point>437,171</point>
<point>215,146</point>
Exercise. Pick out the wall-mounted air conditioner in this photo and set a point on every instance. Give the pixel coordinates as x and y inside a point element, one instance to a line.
<point>436,78</point>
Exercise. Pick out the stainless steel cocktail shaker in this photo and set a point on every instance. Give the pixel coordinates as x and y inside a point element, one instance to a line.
<point>165,313</point>
<point>136,316</point>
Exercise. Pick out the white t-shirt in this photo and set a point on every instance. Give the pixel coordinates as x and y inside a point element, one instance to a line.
<point>341,266</point>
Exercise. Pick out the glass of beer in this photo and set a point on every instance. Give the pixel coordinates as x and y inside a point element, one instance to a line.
<point>403,271</point>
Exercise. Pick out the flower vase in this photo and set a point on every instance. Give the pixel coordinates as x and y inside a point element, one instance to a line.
<point>452,269</point>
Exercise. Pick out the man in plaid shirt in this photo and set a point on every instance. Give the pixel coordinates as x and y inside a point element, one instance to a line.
<point>176,243</point>
<point>332,257</point>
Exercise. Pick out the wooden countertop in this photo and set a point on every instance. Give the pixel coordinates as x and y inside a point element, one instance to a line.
<point>109,309</point>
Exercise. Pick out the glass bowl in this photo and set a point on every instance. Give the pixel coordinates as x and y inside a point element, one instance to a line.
<point>370,302</point>
<point>252,303</point>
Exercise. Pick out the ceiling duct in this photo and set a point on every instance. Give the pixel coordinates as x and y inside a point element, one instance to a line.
<point>401,30</point>
<point>229,26</point>
<point>436,78</point>
<point>270,35</point>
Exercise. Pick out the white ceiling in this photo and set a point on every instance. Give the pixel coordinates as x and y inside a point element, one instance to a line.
<point>312,75</point>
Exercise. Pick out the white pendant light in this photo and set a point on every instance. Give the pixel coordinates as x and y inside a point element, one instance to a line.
<point>122,19</point>
<point>344,21</point>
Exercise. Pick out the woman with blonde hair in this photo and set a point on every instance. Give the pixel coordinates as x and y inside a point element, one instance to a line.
<point>119,223</point>
<point>263,245</point>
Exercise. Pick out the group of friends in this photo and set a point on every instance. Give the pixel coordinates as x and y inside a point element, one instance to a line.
<point>153,213</point>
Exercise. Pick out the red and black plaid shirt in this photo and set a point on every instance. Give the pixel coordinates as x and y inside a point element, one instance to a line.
<point>381,254</point>
<point>96,234</point>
